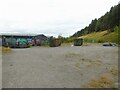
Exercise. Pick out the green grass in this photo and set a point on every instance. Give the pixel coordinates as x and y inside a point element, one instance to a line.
<point>100,37</point>
<point>5,49</point>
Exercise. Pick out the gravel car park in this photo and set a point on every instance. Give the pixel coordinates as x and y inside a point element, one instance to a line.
<point>59,67</point>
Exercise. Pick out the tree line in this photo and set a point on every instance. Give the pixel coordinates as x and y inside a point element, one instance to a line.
<point>107,22</point>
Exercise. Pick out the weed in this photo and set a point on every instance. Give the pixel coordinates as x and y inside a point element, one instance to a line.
<point>102,82</point>
<point>6,49</point>
<point>114,72</point>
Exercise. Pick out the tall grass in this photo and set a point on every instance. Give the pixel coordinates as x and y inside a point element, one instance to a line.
<point>5,49</point>
<point>100,37</point>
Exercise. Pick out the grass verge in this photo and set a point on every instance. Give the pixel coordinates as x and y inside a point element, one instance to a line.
<point>5,49</point>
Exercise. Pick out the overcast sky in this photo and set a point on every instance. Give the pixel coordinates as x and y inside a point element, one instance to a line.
<point>50,17</point>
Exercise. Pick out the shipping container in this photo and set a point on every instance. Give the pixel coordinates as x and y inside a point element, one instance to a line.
<point>78,42</point>
<point>54,42</point>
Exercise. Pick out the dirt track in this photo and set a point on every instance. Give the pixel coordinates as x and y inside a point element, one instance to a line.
<point>59,67</point>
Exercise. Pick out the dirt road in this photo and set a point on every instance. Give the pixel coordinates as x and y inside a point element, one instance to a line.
<point>59,67</point>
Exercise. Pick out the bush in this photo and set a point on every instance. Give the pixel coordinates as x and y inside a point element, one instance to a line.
<point>100,41</point>
<point>117,33</point>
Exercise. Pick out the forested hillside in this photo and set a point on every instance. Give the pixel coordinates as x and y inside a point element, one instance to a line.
<point>107,22</point>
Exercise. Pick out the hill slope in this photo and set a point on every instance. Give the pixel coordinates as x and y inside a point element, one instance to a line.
<point>100,37</point>
<point>108,22</point>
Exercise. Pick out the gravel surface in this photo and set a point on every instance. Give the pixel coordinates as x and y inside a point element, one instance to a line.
<point>58,67</point>
<point>0,68</point>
